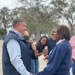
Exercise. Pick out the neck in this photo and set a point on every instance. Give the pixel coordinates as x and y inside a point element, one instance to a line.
<point>17,30</point>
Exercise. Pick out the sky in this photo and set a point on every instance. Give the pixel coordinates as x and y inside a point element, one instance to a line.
<point>9,3</point>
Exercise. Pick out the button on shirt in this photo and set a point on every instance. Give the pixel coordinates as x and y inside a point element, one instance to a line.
<point>14,51</point>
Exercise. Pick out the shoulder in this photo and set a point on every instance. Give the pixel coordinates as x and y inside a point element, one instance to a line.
<point>65,42</point>
<point>49,39</point>
<point>12,41</point>
<point>73,38</point>
<point>65,45</point>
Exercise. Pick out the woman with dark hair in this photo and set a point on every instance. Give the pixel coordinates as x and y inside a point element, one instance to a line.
<point>59,59</point>
<point>41,48</point>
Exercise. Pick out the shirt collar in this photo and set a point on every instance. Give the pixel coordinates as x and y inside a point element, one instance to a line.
<point>61,40</point>
<point>18,33</point>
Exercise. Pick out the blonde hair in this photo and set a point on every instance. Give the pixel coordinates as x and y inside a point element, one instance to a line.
<point>53,31</point>
<point>26,33</point>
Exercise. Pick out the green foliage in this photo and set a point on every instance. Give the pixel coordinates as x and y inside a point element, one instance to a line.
<point>32,21</point>
<point>62,3</point>
<point>7,16</point>
<point>40,18</point>
<point>2,31</point>
<point>37,16</point>
<point>64,9</point>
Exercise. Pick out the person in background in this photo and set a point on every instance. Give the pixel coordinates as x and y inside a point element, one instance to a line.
<point>72,42</point>
<point>34,59</point>
<point>41,48</point>
<point>16,58</point>
<point>52,40</point>
<point>32,44</point>
<point>26,36</point>
<point>32,48</point>
<point>59,59</point>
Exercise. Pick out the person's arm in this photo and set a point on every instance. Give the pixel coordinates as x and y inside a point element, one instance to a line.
<point>46,57</point>
<point>54,61</point>
<point>14,52</point>
<point>38,51</point>
<point>45,51</point>
<point>37,54</point>
<point>33,46</point>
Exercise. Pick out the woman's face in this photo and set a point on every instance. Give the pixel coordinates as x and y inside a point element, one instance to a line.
<point>43,41</point>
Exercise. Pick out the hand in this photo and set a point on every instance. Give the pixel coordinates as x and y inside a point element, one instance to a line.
<point>36,51</point>
<point>45,51</point>
<point>46,57</point>
<point>33,46</point>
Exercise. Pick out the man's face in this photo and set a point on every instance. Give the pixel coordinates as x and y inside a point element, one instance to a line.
<point>22,27</point>
<point>53,35</point>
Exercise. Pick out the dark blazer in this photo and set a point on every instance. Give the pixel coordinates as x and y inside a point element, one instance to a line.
<point>59,60</point>
<point>51,44</point>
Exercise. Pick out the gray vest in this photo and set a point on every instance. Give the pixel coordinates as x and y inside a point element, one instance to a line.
<point>8,68</point>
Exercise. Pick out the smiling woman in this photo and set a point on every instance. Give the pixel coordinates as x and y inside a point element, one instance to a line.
<point>9,3</point>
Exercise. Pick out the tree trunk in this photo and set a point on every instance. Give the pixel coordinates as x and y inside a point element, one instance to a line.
<point>38,33</point>
<point>72,30</point>
<point>5,30</point>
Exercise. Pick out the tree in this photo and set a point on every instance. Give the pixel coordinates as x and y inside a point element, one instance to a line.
<point>2,31</point>
<point>6,17</point>
<point>35,12</point>
<point>64,9</point>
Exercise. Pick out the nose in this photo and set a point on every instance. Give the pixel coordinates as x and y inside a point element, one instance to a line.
<point>26,28</point>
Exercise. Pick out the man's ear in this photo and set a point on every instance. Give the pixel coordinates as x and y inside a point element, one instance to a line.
<point>18,24</point>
